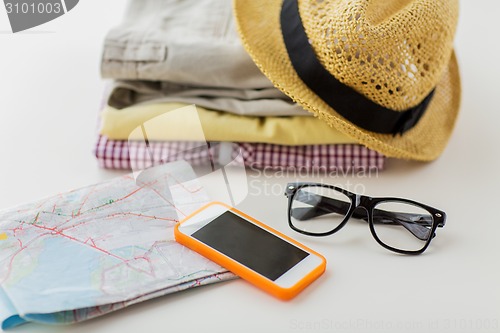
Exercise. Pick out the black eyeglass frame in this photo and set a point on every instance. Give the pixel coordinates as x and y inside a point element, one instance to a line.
<point>368,203</point>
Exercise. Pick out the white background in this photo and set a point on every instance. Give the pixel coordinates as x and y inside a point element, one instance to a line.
<point>50,92</point>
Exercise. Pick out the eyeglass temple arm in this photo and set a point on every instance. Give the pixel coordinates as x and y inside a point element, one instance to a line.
<point>414,223</point>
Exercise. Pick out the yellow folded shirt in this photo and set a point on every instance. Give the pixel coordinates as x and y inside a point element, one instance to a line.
<point>217,126</point>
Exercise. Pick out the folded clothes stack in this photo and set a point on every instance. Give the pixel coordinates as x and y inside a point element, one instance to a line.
<point>170,54</point>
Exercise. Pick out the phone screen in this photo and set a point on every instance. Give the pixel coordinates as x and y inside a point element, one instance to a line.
<point>250,245</point>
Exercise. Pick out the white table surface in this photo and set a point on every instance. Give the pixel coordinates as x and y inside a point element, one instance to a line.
<point>50,91</point>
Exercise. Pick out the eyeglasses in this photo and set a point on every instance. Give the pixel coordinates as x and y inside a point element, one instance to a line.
<point>400,225</point>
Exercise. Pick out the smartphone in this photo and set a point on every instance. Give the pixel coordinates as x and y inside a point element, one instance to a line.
<point>250,249</point>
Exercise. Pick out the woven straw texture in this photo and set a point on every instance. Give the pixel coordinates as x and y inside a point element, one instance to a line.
<point>392,51</point>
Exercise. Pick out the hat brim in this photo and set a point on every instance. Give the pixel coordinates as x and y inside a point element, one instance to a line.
<point>258,24</point>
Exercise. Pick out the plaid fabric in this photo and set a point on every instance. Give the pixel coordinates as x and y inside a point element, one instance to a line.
<point>328,157</point>
<point>120,154</point>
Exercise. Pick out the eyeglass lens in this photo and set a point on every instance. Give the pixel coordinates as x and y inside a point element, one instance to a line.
<point>317,209</point>
<point>402,225</point>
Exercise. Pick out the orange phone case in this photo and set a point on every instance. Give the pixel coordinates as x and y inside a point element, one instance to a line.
<point>243,271</point>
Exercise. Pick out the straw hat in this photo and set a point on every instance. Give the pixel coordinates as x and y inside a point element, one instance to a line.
<point>381,71</point>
